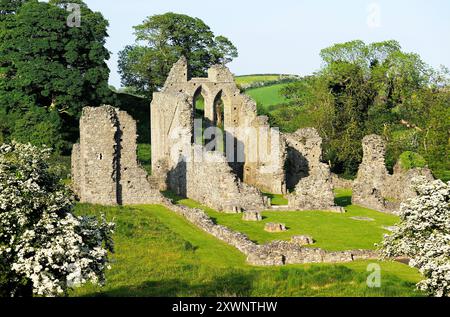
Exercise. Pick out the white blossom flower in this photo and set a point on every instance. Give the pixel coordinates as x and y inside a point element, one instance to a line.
<point>41,240</point>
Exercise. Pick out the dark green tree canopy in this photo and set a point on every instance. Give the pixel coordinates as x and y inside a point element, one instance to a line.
<point>161,40</point>
<point>47,63</point>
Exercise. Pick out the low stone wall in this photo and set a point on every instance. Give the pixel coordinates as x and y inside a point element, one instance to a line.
<point>339,182</point>
<point>275,253</point>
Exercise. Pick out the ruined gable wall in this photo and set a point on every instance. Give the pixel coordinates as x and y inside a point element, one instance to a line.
<point>191,171</point>
<point>239,112</point>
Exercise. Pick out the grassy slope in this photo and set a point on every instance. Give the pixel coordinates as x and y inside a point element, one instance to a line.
<point>249,79</point>
<point>267,96</point>
<point>158,253</point>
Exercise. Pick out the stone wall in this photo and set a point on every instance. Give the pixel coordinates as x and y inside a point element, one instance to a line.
<point>250,162</point>
<point>374,187</point>
<point>339,182</point>
<point>311,179</point>
<point>104,164</point>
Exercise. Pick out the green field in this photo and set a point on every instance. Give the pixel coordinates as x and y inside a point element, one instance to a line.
<point>250,79</point>
<point>267,96</point>
<point>159,253</point>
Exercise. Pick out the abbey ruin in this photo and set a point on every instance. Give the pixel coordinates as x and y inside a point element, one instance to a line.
<point>227,168</point>
<point>236,164</point>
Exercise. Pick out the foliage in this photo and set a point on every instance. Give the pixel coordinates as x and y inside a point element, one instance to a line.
<point>161,40</point>
<point>409,160</point>
<point>61,70</point>
<point>44,247</point>
<point>376,88</point>
<point>424,235</point>
<point>159,253</point>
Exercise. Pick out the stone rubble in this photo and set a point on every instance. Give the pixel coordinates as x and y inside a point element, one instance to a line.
<point>274,227</point>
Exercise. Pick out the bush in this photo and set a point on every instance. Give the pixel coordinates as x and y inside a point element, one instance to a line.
<point>44,248</point>
<point>409,160</point>
<point>39,127</point>
<point>424,235</point>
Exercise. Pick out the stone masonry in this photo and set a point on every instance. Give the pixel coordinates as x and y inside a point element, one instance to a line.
<point>104,164</point>
<point>173,109</point>
<point>311,179</point>
<point>374,187</point>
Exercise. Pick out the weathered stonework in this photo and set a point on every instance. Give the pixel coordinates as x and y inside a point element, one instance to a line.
<point>339,182</point>
<point>302,240</point>
<point>312,178</point>
<point>374,187</point>
<point>372,175</point>
<point>274,227</point>
<point>252,216</point>
<point>104,164</point>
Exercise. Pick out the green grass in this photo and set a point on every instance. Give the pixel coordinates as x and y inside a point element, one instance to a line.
<point>144,154</point>
<point>267,96</point>
<point>276,199</point>
<point>331,231</point>
<point>249,79</point>
<point>158,253</point>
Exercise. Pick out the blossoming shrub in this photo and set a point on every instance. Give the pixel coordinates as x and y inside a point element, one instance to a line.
<point>424,235</point>
<point>44,248</point>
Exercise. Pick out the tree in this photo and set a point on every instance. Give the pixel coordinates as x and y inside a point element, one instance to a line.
<point>44,248</point>
<point>47,63</point>
<point>161,40</point>
<point>423,235</point>
<point>375,89</point>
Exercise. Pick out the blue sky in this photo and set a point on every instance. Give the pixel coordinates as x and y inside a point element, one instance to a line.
<point>286,36</point>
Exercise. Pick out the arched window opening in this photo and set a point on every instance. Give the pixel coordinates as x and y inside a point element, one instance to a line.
<point>199,117</point>
<point>219,123</point>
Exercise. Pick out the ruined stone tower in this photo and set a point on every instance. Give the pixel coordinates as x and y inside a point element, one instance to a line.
<point>104,164</point>
<point>374,187</point>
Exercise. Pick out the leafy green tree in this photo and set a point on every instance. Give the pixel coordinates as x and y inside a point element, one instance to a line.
<point>62,68</point>
<point>161,40</point>
<point>375,88</point>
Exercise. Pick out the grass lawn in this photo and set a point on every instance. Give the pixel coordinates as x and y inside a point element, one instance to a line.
<point>331,231</point>
<point>144,154</point>
<point>267,96</point>
<point>276,199</point>
<point>158,253</point>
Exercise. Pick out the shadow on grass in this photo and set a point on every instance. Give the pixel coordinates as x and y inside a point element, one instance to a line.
<point>232,284</point>
<point>343,201</point>
<point>172,196</point>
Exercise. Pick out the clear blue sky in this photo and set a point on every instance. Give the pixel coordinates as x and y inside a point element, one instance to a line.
<point>286,36</point>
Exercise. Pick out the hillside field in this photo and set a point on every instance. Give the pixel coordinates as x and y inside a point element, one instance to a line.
<point>159,253</point>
